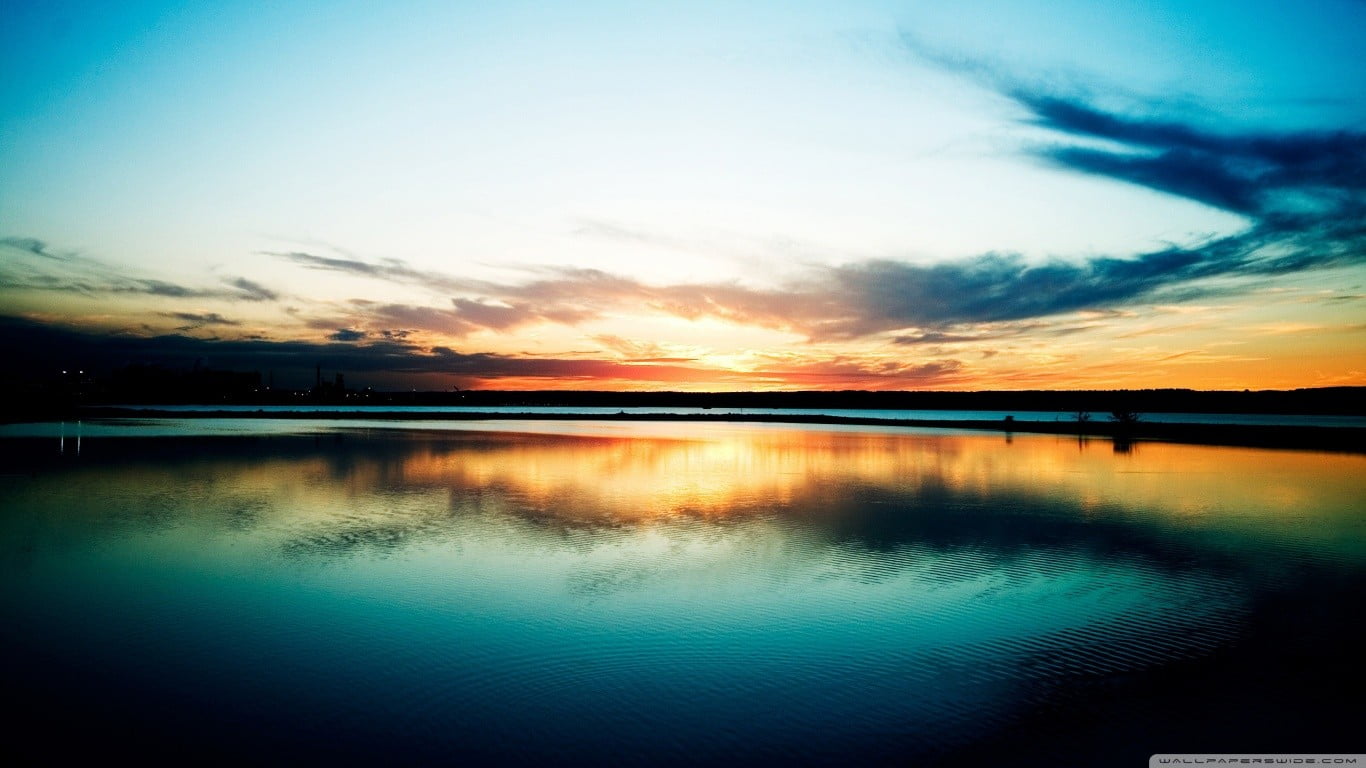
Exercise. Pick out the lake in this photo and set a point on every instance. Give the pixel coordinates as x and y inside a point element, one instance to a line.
<point>669,592</point>
<point>1255,419</point>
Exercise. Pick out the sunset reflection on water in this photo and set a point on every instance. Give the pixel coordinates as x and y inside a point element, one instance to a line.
<point>930,589</point>
<point>644,473</point>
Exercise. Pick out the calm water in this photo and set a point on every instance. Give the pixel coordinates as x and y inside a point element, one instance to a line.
<point>673,593</point>
<point>1261,419</point>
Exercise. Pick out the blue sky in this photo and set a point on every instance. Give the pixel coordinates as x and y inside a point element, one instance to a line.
<point>772,195</point>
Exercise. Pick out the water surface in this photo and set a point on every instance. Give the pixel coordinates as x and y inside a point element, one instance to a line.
<point>675,592</point>
<point>1254,419</point>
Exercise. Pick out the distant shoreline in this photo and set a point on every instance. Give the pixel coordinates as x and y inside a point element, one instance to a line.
<point>1341,439</point>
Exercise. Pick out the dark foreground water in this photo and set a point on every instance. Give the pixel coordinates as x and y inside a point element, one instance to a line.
<point>673,593</point>
<point>1256,419</point>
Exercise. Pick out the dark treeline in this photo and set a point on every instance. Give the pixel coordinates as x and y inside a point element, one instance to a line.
<point>68,390</point>
<point>1332,400</point>
<point>231,388</point>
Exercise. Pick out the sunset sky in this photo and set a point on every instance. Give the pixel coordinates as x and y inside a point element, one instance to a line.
<point>870,195</point>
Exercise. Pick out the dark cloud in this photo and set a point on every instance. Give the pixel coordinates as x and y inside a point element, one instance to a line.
<point>496,306</point>
<point>434,319</point>
<point>241,289</point>
<point>1257,173</point>
<point>498,316</point>
<point>90,277</point>
<point>33,246</point>
<point>1303,194</point>
<point>392,270</point>
<point>935,337</point>
<point>879,296</point>
<point>331,264</point>
<point>160,288</point>
<point>939,303</point>
<point>1177,172</point>
<point>32,346</point>
<point>347,334</point>
<point>465,316</point>
<point>95,284</point>
<point>251,290</point>
<point>1254,173</point>
<point>849,372</point>
<point>199,320</point>
<point>32,343</point>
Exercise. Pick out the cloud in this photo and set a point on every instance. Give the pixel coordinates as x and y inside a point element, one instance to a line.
<point>957,301</point>
<point>484,305</point>
<point>627,348</point>
<point>1258,173</point>
<point>638,351</point>
<point>392,270</point>
<point>82,275</point>
<point>849,372</point>
<point>250,290</point>
<point>241,289</point>
<point>434,319</point>
<point>505,317</point>
<point>1255,173</point>
<point>347,334</point>
<point>607,230</point>
<point>462,318</point>
<point>35,346</point>
<point>198,320</point>
<point>1179,172</point>
<point>327,263</point>
<point>160,288</point>
<point>925,303</point>
<point>31,346</point>
<point>877,296</point>
<point>935,337</point>
<point>1303,194</point>
<point>32,245</point>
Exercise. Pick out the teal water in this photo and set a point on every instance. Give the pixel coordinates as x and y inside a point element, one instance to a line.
<point>1257,419</point>
<point>673,593</point>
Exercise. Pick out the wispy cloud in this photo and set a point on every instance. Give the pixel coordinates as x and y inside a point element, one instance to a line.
<point>936,302</point>
<point>1258,173</point>
<point>391,270</point>
<point>639,351</point>
<point>195,320</point>
<point>1303,194</point>
<point>1308,187</point>
<point>867,374</point>
<point>33,246</point>
<point>61,272</point>
<point>251,290</point>
<point>35,346</point>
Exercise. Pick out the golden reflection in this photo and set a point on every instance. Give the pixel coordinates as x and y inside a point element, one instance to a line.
<point>639,474</point>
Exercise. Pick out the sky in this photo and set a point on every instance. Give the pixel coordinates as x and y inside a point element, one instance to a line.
<point>690,196</point>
